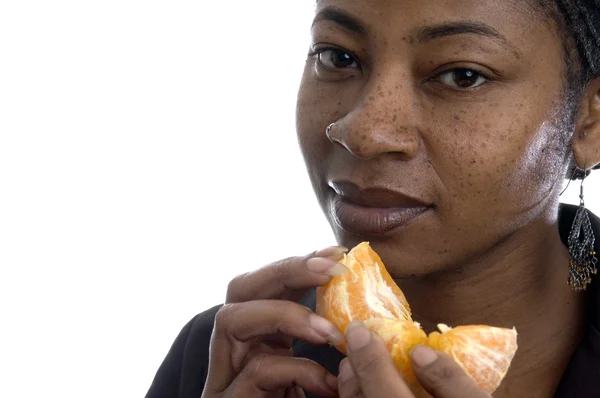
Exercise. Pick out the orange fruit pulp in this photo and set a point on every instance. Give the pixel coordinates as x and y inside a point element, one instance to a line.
<point>368,293</point>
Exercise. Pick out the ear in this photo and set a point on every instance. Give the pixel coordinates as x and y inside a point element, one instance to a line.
<point>586,141</point>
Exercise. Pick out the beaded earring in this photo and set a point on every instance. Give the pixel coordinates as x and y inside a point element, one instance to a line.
<point>582,264</point>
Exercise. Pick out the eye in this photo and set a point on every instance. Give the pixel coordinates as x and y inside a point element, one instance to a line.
<point>335,58</point>
<point>462,78</point>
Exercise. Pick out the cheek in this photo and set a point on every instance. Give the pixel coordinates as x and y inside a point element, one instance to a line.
<point>315,110</point>
<point>495,151</point>
<point>541,163</point>
<point>310,127</point>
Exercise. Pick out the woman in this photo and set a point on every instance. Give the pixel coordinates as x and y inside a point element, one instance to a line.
<point>441,132</point>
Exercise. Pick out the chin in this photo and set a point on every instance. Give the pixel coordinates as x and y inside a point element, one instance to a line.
<point>403,257</point>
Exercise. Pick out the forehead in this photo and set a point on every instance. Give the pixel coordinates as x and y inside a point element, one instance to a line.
<point>515,19</point>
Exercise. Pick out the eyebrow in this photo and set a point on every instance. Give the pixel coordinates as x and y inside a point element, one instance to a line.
<point>422,35</point>
<point>341,18</point>
<point>428,34</point>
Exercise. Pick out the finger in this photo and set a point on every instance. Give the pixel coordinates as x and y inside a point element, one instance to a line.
<point>348,385</point>
<point>295,392</point>
<point>287,279</point>
<point>267,373</point>
<point>257,347</point>
<point>246,321</point>
<point>372,364</point>
<point>238,325</point>
<point>278,340</point>
<point>441,376</point>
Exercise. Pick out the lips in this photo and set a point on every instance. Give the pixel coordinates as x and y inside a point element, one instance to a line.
<point>373,210</point>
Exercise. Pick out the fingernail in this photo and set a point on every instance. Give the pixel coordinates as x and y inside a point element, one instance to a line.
<point>357,335</point>
<point>326,329</point>
<point>326,266</point>
<point>346,371</point>
<point>335,253</point>
<point>423,356</point>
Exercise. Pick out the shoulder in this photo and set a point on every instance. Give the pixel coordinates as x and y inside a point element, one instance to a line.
<point>183,371</point>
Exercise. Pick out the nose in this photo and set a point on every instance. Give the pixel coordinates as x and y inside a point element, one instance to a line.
<point>380,124</point>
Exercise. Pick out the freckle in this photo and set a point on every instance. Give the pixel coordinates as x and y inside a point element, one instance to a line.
<point>371,98</point>
<point>363,137</point>
<point>395,118</point>
<point>340,103</point>
<point>456,117</point>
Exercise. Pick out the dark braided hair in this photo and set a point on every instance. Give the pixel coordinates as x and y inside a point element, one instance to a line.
<point>578,22</point>
<point>582,20</point>
<point>581,23</point>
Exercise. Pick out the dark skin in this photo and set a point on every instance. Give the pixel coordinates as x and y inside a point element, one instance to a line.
<point>487,158</point>
<point>487,151</point>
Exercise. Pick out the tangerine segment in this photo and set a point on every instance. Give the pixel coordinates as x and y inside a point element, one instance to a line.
<point>399,337</point>
<point>484,352</point>
<point>367,291</point>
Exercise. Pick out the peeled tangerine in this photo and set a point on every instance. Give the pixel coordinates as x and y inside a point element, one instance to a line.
<point>368,293</point>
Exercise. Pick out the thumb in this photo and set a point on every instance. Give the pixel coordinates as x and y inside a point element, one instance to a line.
<point>441,376</point>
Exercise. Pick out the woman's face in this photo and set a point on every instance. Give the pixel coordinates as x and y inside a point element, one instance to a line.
<point>449,131</point>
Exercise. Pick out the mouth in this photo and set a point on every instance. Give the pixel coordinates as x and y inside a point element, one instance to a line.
<point>373,211</point>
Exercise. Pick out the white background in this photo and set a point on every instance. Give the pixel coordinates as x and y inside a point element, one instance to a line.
<point>147,156</point>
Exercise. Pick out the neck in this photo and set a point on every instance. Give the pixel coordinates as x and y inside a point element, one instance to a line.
<point>522,282</point>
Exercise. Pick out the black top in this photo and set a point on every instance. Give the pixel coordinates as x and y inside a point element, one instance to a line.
<point>183,372</point>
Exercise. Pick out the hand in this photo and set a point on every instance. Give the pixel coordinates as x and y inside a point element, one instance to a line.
<point>369,371</point>
<point>250,348</point>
